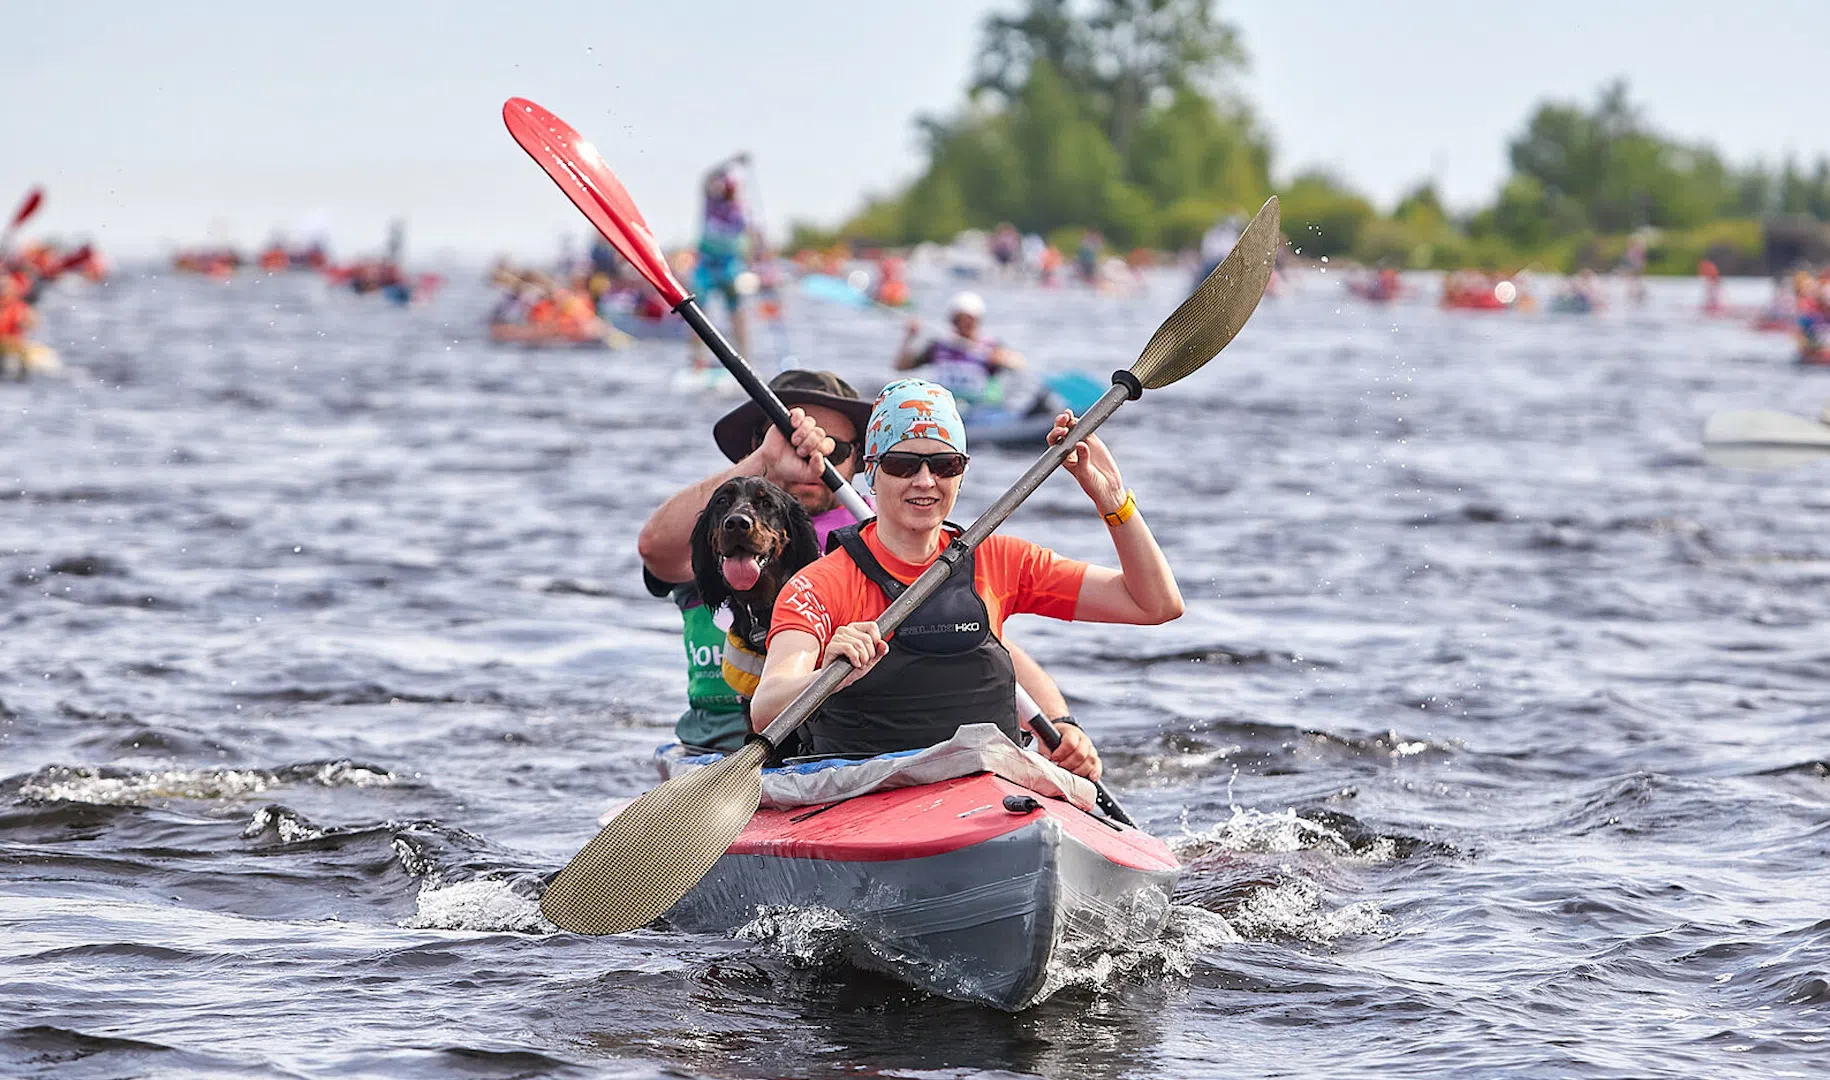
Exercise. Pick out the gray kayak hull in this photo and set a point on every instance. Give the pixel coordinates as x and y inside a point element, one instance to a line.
<point>990,922</point>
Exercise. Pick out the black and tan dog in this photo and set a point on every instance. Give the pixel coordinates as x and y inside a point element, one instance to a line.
<point>750,539</point>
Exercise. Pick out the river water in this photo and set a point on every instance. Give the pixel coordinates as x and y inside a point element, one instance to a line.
<point>1494,739</point>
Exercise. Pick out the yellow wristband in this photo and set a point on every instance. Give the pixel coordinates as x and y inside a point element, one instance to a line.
<point>1124,512</point>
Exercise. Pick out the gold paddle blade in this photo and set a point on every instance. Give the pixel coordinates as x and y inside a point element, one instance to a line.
<point>660,846</point>
<point>1219,307</point>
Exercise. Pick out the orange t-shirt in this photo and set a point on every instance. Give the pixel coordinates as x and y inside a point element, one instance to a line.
<point>1012,576</point>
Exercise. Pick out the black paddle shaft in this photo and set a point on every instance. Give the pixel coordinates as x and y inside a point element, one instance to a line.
<point>760,393</point>
<point>809,700</point>
<point>1050,735</point>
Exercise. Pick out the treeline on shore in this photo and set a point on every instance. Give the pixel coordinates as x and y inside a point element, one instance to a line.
<point>1119,116</point>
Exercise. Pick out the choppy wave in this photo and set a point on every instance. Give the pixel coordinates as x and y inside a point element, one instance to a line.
<point>826,940</point>
<point>811,937</point>
<point>1298,909</point>
<point>1496,709</point>
<point>487,905</point>
<point>112,786</point>
<point>1284,831</point>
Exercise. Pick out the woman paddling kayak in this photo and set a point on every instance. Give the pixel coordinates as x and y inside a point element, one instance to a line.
<point>945,666</point>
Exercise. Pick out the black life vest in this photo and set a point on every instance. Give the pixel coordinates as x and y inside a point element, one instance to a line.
<point>945,668</point>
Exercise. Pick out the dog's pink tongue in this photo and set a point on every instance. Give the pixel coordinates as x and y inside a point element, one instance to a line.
<point>741,572</point>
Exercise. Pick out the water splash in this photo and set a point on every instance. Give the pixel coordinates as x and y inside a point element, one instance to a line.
<point>1279,833</point>
<point>807,937</point>
<point>287,826</point>
<point>1187,934</point>
<point>1293,910</point>
<point>109,786</point>
<point>483,905</point>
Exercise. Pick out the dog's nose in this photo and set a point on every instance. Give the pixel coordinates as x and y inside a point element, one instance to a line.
<point>739,523</point>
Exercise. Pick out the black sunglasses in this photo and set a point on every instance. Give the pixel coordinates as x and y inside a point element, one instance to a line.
<point>906,463</point>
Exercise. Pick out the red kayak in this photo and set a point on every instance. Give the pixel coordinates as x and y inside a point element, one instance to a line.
<point>549,337</point>
<point>968,888</point>
<point>1481,301</point>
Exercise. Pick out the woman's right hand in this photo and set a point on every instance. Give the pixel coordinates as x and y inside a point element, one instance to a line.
<point>1092,464</point>
<point>860,644</point>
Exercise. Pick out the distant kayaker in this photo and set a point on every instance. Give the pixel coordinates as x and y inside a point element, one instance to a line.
<point>964,362</point>
<point>1712,286</point>
<point>892,288</point>
<point>828,416</point>
<point>1216,242</point>
<point>947,664</point>
<point>16,320</point>
<point>1633,265</point>
<point>727,241</point>
<point>1813,306</point>
<point>1086,255</point>
<point>1006,249</point>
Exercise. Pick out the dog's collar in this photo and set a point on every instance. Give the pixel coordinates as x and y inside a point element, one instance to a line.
<point>758,637</point>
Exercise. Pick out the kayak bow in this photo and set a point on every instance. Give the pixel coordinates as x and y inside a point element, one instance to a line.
<point>973,888</point>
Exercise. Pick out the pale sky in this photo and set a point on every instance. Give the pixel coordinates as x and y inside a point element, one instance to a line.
<point>153,125</point>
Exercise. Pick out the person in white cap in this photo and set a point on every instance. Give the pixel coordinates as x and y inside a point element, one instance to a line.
<point>964,362</point>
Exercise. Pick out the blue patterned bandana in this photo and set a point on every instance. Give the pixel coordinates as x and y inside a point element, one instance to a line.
<point>912,409</point>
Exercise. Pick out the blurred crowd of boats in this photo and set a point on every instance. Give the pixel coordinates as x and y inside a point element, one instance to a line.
<point>595,300</point>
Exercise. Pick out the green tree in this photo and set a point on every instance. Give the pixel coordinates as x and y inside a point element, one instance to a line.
<point>1046,31</point>
<point>1322,216</point>
<point>1190,149</point>
<point>1802,193</point>
<point>1144,50</point>
<point>1421,205</point>
<point>1605,169</point>
<point>1121,60</point>
<point>1524,214</point>
<point>1067,165</point>
<point>1116,115</point>
<point>985,165</point>
<point>1106,119</point>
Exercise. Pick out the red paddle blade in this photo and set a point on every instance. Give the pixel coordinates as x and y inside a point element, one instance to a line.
<point>73,260</point>
<point>580,172</point>
<point>28,207</point>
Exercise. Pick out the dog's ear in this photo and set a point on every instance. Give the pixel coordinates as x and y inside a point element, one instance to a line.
<point>708,573</point>
<point>803,542</point>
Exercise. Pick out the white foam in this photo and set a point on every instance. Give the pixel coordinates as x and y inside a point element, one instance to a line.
<point>290,827</point>
<point>486,905</point>
<point>820,937</point>
<point>1293,909</point>
<point>349,774</point>
<point>1187,934</point>
<point>82,784</point>
<point>811,937</point>
<point>86,784</point>
<point>1277,833</point>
